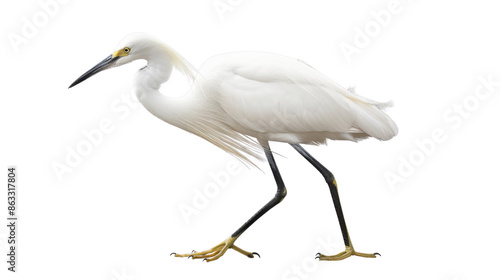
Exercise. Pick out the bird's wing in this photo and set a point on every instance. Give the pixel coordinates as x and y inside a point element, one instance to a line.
<point>275,94</point>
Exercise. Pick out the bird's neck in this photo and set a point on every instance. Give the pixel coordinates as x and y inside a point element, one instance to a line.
<point>147,84</point>
<point>154,74</point>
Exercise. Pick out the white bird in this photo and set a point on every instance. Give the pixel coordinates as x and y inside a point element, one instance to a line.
<point>241,101</point>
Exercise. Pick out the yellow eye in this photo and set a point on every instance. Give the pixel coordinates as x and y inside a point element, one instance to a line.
<point>123,52</point>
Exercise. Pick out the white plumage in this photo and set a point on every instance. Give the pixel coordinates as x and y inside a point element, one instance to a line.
<point>266,96</point>
<point>242,96</point>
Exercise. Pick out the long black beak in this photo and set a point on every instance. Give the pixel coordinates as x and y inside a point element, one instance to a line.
<point>108,62</point>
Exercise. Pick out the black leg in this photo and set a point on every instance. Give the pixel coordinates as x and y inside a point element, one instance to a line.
<point>218,250</point>
<point>332,185</point>
<point>280,194</point>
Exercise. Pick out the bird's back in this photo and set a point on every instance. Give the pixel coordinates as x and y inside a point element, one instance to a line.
<point>277,98</point>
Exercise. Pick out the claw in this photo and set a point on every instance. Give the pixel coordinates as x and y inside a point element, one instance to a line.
<point>349,251</point>
<point>217,251</point>
<point>173,253</point>
<point>377,254</point>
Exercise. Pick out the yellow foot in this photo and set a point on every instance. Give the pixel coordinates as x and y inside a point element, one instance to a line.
<point>349,251</point>
<point>217,251</point>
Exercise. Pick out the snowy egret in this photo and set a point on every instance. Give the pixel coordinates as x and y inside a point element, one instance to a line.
<point>241,101</point>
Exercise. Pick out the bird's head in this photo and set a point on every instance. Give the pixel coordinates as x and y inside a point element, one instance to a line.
<point>142,46</point>
<point>133,47</point>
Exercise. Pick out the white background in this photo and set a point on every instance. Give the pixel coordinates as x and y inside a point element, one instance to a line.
<point>117,215</point>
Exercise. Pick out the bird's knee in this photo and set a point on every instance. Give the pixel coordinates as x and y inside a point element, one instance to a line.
<point>280,194</point>
<point>329,178</point>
